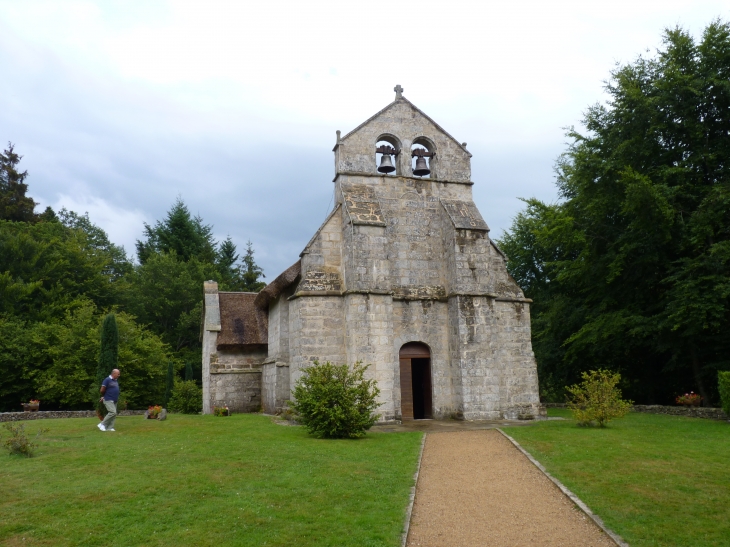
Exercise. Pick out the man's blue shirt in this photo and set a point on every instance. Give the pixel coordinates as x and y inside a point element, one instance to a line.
<point>112,389</point>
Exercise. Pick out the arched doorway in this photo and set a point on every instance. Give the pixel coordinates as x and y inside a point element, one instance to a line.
<point>415,381</point>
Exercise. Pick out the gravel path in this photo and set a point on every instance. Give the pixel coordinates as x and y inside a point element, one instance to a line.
<point>476,489</point>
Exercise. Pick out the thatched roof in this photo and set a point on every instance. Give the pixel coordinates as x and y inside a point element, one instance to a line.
<point>273,290</point>
<point>243,325</point>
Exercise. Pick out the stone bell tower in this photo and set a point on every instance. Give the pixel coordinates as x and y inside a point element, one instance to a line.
<point>403,275</point>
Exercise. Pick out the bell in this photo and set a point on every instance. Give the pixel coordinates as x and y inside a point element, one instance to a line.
<point>386,165</point>
<point>421,169</point>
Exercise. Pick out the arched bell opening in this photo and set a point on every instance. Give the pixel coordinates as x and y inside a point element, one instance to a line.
<point>423,158</point>
<point>416,398</point>
<point>387,151</point>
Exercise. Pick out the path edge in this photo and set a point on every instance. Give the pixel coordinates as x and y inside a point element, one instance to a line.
<point>575,499</point>
<point>412,497</point>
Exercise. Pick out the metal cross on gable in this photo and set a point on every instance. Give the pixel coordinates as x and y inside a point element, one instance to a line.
<point>398,92</point>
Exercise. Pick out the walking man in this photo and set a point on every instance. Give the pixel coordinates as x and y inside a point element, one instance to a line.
<point>109,396</point>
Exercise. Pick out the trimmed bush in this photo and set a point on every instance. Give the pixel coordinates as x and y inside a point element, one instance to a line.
<point>334,401</point>
<point>187,397</point>
<point>723,386</point>
<point>597,399</point>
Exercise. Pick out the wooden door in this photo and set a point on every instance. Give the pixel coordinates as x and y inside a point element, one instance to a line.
<point>415,381</point>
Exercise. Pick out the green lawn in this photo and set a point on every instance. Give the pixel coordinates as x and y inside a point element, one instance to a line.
<point>654,480</point>
<point>202,480</point>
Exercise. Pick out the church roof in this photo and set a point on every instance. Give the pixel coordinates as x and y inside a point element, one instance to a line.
<point>276,287</point>
<point>242,323</point>
<point>402,99</point>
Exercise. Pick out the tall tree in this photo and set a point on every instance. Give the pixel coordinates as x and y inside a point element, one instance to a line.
<point>169,382</point>
<point>109,353</point>
<point>631,270</point>
<point>46,269</point>
<point>251,272</point>
<point>167,295</point>
<point>97,240</point>
<point>180,232</point>
<point>14,204</point>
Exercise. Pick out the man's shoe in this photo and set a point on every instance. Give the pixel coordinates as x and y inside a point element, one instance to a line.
<point>112,429</point>
<point>101,427</point>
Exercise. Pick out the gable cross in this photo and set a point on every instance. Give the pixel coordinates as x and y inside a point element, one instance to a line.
<point>398,92</point>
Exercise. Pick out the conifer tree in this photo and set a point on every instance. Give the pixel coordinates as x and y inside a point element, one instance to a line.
<point>251,272</point>
<point>170,382</point>
<point>109,355</point>
<point>188,371</point>
<point>14,204</point>
<point>180,233</point>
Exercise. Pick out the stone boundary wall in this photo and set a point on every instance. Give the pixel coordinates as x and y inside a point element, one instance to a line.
<point>46,414</point>
<point>692,412</point>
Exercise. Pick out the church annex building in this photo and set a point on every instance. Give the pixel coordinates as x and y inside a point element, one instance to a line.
<point>402,275</point>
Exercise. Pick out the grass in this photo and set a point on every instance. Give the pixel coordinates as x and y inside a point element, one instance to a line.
<point>654,479</point>
<point>202,480</point>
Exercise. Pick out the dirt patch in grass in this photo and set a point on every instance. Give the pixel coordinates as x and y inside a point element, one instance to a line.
<point>476,488</point>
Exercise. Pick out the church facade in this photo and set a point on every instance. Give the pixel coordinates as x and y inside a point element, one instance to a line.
<point>402,275</point>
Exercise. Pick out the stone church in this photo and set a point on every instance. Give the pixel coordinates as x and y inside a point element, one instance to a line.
<point>402,275</point>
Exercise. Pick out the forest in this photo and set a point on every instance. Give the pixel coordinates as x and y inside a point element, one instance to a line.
<point>60,276</point>
<point>630,269</point>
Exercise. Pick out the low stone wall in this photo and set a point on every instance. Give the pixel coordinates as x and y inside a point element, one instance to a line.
<point>691,411</point>
<point>49,414</point>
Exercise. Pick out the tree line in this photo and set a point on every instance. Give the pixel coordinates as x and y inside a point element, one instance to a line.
<point>60,275</point>
<point>630,269</point>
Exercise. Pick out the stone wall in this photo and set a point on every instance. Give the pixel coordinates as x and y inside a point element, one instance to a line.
<point>317,332</point>
<point>54,414</point>
<point>692,412</point>
<point>235,380</point>
<point>275,389</point>
<point>423,321</point>
<point>209,334</point>
<point>369,327</point>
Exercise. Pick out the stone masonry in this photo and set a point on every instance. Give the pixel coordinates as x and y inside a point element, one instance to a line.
<point>400,259</point>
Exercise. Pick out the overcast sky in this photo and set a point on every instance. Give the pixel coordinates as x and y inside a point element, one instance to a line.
<point>119,107</point>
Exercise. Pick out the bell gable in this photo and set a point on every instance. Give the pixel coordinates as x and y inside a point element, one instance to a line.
<point>405,128</point>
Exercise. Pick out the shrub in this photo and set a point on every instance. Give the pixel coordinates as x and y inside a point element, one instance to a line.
<point>334,401</point>
<point>187,397</point>
<point>18,442</point>
<point>723,385</point>
<point>221,411</point>
<point>597,399</point>
<point>688,399</point>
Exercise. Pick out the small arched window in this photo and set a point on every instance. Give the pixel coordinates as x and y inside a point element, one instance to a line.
<point>423,154</point>
<point>387,150</point>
